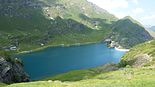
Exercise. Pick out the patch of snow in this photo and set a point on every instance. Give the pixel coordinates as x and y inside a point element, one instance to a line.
<point>121,49</point>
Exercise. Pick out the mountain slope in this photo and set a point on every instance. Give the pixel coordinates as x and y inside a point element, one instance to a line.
<point>30,24</point>
<point>74,8</point>
<point>127,32</point>
<point>152,33</point>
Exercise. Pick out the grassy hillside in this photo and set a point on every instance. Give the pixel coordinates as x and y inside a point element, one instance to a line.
<point>130,77</point>
<point>140,55</point>
<point>2,85</point>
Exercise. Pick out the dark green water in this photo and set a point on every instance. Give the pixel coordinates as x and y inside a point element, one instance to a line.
<point>56,60</point>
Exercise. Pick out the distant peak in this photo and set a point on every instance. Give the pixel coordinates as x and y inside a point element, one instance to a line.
<point>128,17</point>
<point>132,20</point>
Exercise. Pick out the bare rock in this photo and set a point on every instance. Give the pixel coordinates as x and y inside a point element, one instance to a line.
<point>12,72</point>
<point>141,60</point>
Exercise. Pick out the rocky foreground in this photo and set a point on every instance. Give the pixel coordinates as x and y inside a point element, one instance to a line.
<point>11,71</point>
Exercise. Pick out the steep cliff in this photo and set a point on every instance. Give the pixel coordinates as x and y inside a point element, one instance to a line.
<point>11,71</point>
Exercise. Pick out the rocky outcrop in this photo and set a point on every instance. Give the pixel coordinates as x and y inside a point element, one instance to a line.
<point>111,44</point>
<point>12,71</point>
<point>141,60</point>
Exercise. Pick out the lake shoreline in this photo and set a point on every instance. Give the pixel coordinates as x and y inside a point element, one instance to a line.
<point>59,45</point>
<point>53,59</point>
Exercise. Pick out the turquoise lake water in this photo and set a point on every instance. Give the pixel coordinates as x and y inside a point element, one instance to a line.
<point>56,60</point>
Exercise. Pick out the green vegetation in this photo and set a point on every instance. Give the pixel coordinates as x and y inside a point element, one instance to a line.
<point>50,23</point>
<point>147,48</point>
<point>33,24</point>
<point>109,75</point>
<point>83,74</point>
<point>127,77</point>
<point>128,32</point>
<point>43,23</point>
<point>2,85</point>
<point>7,56</point>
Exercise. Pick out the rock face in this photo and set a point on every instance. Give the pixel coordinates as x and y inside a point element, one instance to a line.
<point>11,72</point>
